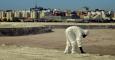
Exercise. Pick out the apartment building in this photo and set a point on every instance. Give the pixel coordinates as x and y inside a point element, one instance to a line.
<point>2,14</point>
<point>8,15</point>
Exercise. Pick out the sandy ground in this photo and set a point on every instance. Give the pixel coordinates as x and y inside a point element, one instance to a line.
<point>99,41</point>
<point>32,53</point>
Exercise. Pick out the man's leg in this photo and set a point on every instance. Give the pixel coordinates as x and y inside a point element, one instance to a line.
<point>68,44</point>
<point>74,46</point>
<point>68,47</point>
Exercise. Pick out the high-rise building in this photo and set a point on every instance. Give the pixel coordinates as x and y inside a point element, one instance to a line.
<point>3,15</point>
<point>26,13</point>
<point>9,15</point>
<point>17,14</point>
<point>42,14</point>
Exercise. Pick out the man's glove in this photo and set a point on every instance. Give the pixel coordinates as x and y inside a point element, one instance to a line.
<point>84,35</point>
<point>81,50</point>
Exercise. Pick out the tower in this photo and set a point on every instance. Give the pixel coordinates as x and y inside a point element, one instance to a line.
<point>35,3</point>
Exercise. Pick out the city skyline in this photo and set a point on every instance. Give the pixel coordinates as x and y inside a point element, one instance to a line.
<point>61,4</point>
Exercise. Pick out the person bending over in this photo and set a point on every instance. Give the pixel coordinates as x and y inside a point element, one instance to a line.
<point>74,35</point>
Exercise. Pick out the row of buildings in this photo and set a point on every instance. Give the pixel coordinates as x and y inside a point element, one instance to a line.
<point>10,15</point>
<point>36,13</point>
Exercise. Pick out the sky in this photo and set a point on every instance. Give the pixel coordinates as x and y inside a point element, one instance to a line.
<point>61,4</point>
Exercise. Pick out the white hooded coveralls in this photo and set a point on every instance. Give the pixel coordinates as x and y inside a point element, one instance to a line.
<point>74,37</point>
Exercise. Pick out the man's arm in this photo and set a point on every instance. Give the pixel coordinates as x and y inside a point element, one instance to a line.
<point>81,49</point>
<point>79,42</point>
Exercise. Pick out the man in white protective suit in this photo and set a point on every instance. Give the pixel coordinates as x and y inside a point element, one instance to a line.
<point>74,35</point>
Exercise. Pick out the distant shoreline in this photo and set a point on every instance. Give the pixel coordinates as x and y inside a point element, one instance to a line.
<point>64,25</point>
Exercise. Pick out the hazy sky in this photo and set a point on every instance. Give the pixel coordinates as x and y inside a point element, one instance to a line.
<point>65,4</point>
